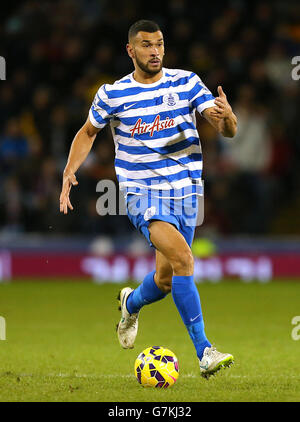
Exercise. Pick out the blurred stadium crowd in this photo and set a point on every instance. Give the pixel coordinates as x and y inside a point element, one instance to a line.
<point>59,52</point>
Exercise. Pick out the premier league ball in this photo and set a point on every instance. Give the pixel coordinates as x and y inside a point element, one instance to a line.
<point>156,367</point>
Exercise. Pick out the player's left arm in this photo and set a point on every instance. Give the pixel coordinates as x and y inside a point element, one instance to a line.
<point>221,117</point>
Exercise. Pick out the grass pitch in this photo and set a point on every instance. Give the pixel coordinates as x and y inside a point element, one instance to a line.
<point>61,344</point>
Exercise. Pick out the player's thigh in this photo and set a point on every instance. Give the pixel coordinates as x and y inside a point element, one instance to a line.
<point>172,245</point>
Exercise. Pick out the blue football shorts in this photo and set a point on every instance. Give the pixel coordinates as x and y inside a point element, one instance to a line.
<point>181,212</point>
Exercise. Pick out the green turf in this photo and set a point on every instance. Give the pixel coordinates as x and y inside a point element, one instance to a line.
<point>61,343</point>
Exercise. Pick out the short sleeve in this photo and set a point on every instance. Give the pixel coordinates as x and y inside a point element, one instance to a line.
<point>99,113</point>
<point>200,96</point>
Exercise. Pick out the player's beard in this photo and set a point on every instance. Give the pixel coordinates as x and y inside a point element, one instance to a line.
<point>145,67</point>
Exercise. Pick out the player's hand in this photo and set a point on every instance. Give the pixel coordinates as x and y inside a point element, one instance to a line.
<point>69,180</point>
<point>223,108</point>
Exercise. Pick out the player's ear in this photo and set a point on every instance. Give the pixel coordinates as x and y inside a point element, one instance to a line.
<point>130,51</point>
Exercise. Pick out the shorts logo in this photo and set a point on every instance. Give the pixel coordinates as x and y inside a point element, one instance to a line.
<point>150,212</point>
<point>171,99</point>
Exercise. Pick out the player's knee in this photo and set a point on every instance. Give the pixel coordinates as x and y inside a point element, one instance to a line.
<point>164,282</point>
<point>183,263</point>
<point>165,286</point>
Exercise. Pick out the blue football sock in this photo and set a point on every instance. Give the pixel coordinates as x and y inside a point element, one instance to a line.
<point>147,292</point>
<point>187,301</point>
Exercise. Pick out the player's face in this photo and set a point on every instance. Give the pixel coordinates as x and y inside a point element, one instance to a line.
<point>147,51</point>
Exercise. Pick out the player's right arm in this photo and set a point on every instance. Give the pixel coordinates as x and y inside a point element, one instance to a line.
<point>81,146</point>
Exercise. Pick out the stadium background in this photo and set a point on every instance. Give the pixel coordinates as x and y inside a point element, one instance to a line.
<point>57,55</point>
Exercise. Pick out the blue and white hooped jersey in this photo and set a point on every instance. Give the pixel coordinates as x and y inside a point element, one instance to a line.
<point>154,129</point>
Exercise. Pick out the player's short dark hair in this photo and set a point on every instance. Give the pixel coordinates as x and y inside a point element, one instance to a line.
<point>142,25</point>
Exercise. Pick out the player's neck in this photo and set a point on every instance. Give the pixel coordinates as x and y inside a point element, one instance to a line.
<point>146,78</point>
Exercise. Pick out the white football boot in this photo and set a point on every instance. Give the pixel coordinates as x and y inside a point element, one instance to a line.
<point>212,361</point>
<point>128,326</point>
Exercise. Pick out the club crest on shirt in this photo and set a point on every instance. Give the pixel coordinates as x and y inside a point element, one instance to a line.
<point>150,212</point>
<point>171,99</point>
